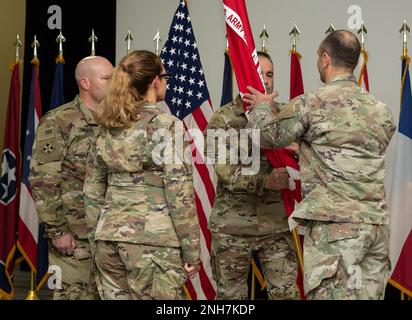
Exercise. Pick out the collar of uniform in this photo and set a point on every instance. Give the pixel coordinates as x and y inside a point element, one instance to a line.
<point>88,113</point>
<point>342,77</point>
<point>148,106</point>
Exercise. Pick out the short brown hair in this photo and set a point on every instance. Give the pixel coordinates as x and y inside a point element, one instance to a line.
<point>343,47</point>
<point>264,54</point>
<point>129,84</point>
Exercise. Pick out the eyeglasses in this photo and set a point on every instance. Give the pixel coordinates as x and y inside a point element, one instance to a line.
<point>167,76</point>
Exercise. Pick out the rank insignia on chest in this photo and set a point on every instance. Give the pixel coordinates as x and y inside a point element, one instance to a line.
<point>48,148</point>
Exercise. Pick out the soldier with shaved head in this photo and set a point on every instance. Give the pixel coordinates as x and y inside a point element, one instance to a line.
<point>343,132</point>
<point>57,175</point>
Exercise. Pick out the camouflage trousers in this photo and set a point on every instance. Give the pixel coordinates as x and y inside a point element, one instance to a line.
<point>346,260</point>
<point>132,271</point>
<point>77,291</point>
<point>231,259</point>
<point>75,272</point>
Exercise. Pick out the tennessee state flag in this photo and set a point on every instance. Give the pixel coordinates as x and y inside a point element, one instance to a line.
<point>9,188</point>
<point>245,63</point>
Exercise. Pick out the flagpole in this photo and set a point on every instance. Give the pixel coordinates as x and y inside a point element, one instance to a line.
<point>330,29</point>
<point>60,39</point>
<point>264,36</point>
<point>17,45</point>
<point>32,294</point>
<point>128,39</point>
<point>93,39</point>
<point>157,39</point>
<point>253,285</point>
<point>227,45</point>
<point>362,32</point>
<point>405,30</point>
<point>35,44</point>
<point>295,32</point>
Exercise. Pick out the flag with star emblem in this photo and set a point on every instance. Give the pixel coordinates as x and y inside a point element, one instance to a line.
<point>31,241</point>
<point>9,191</point>
<point>188,99</point>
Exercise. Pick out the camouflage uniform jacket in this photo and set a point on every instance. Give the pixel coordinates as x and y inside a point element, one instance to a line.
<point>242,205</point>
<point>131,195</point>
<point>343,132</point>
<point>58,167</point>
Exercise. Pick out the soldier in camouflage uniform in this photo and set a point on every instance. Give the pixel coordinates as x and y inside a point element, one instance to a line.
<point>139,202</point>
<point>58,167</point>
<point>343,133</point>
<point>248,214</point>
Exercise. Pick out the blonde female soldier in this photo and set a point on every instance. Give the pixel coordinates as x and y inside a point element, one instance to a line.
<point>140,208</point>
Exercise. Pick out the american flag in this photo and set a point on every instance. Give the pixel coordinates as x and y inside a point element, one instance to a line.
<point>188,99</point>
<point>30,232</point>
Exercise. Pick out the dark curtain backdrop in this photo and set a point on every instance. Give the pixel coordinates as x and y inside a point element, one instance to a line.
<point>78,19</point>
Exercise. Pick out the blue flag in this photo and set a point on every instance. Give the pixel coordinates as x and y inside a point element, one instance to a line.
<point>57,96</point>
<point>227,86</point>
<point>405,123</point>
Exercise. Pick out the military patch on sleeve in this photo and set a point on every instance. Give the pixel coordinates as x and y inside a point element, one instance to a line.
<point>48,148</point>
<point>48,131</point>
<point>44,133</point>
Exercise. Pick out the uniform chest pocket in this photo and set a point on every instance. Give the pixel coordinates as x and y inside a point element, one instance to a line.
<point>78,151</point>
